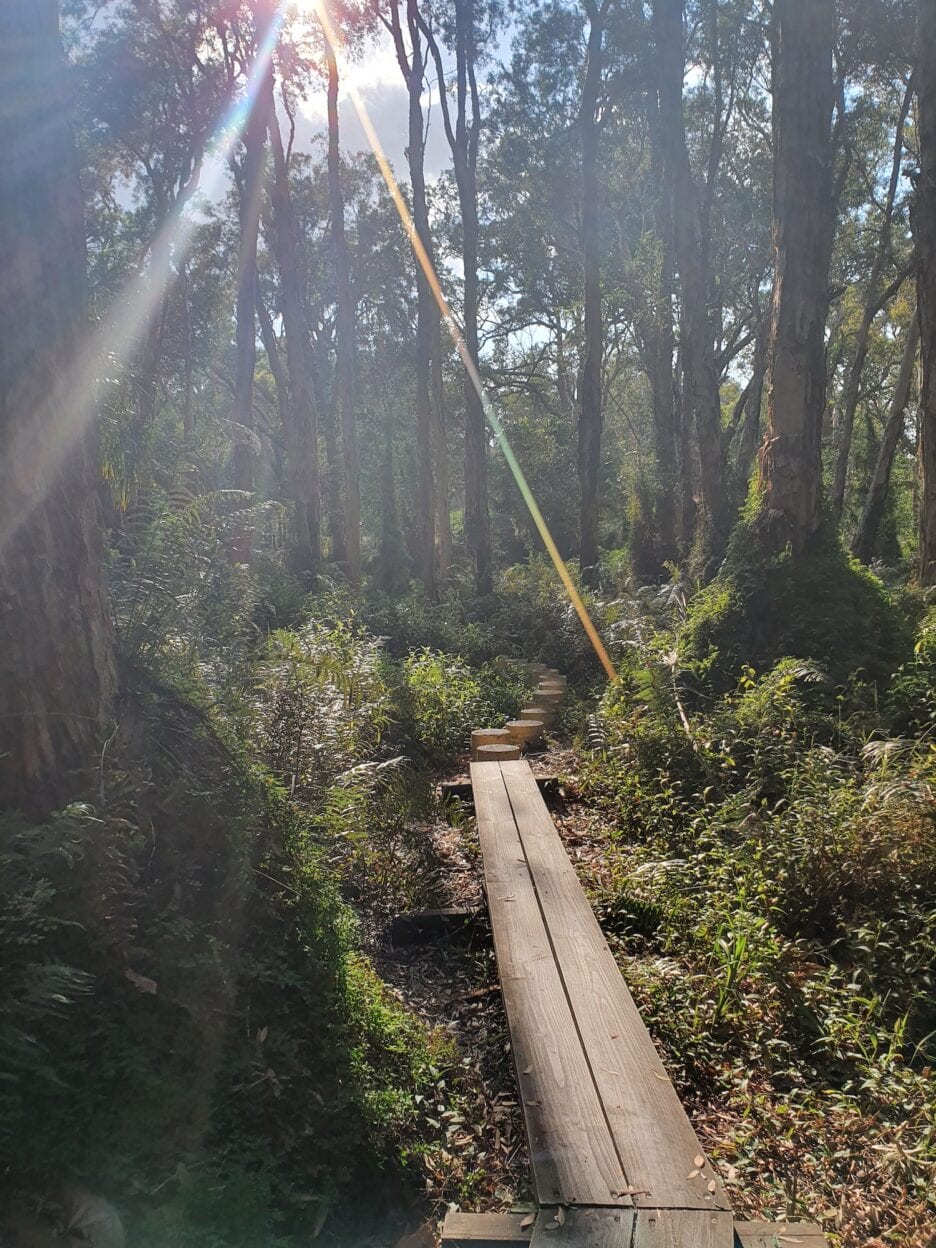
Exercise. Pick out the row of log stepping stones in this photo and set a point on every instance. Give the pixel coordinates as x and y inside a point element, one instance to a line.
<point>499,745</point>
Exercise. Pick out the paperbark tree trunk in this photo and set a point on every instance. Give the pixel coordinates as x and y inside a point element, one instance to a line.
<point>924,228</point>
<point>701,398</point>
<point>863,542</point>
<point>344,335</point>
<point>590,398</point>
<point>250,185</point>
<point>803,223</point>
<point>463,139</point>
<point>659,341</point>
<point>303,472</point>
<point>57,668</point>
<point>412,64</point>
<point>873,304</point>
<point>188,349</point>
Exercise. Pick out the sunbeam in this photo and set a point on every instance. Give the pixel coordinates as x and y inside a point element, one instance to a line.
<point>491,416</point>
<point>72,405</point>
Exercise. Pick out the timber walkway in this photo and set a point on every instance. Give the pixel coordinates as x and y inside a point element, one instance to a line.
<point>616,1163</point>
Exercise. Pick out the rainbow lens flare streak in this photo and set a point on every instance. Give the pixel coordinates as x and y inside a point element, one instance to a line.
<point>491,416</point>
<point>75,400</point>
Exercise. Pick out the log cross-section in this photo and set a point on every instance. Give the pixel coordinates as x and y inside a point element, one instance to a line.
<point>605,1125</point>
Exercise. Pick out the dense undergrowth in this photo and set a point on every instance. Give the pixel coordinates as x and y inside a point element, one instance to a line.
<point>773,894</point>
<point>187,1010</point>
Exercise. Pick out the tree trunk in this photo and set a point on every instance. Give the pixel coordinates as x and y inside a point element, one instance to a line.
<point>477,514</point>
<point>302,438</point>
<point>344,334</point>
<point>275,361</point>
<point>57,668</point>
<point>443,519</point>
<point>803,223</point>
<point>659,342</point>
<point>924,227</point>
<point>250,185</point>
<point>188,356</point>
<point>326,400</point>
<point>463,142</point>
<point>590,410</point>
<point>750,432</point>
<point>412,65</point>
<point>873,304</point>
<point>863,543</point>
<point>701,398</point>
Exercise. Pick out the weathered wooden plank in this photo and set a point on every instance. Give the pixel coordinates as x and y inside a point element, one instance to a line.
<point>632,1228</point>
<point>652,1134</point>
<point>584,1228</point>
<point>573,1156</point>
<point>485,1230</point>
<point>549,786</point>
<point>495,1230</point>
<point>779,1235</point>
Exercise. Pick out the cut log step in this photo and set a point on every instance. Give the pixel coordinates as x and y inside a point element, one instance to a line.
<point>498,753</point>
<point>545,714</point>
<point>488,736</point>
<point>525,732</point>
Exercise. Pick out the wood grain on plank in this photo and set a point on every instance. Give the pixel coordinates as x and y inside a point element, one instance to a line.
<point>780,1235</point>
<point>652,1133</point>
<point>573,1156</point>
<point>495,1230</point>
<point>485,1230</point>
<point>633,1228</point>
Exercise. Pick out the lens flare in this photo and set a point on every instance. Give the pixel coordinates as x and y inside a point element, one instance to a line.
<point>491,416</point>
<point>71,407</point>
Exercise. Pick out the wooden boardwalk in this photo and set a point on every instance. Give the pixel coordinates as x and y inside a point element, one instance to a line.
<point>616,1163</point>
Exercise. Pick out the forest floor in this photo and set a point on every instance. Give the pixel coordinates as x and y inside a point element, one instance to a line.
<point>452,984</point>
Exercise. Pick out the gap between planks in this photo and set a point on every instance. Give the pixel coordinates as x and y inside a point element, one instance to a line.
<point>643,1118</point>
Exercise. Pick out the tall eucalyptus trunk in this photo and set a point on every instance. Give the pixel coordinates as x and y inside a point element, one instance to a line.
<point>303,470</point>
<point>412,62</point>
<point>701,398</point>
<point>803,224</point>
<point>344,335</point>
<point>590,398</point>
<point>924,228</point>
<point>57,669</point>
<point>250,186</point>
<point>463,138</point>
<point>873,303</point>
<point>863,542</point>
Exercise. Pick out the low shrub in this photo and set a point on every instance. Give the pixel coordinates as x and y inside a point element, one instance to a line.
<point>445,699</point>
<point>820,606</point>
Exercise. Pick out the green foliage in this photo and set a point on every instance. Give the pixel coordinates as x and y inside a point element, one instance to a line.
<point>321,702</point>
<point>445,699</point>
<point>777,893</point>
<point>412,621</point>
<point>911,700</point>
<point>189,934</point>
<point>534,617</point>
<point>819,605</point>
<point>181,605</point>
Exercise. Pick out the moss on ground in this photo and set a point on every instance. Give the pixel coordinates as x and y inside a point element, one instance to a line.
<point>820,605</point>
